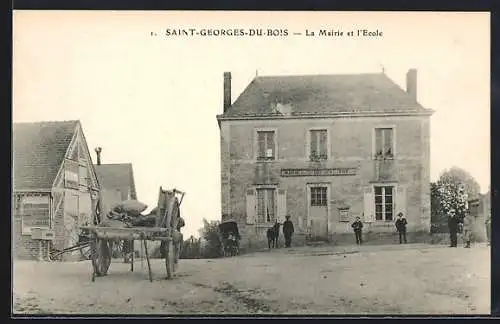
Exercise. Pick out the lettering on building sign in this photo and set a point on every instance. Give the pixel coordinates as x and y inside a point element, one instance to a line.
<point>318,172</point>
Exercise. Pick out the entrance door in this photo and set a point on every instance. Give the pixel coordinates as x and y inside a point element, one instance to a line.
<point>318,212</point>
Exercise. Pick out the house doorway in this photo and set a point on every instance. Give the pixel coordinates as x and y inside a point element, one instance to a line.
<point>318,211</point>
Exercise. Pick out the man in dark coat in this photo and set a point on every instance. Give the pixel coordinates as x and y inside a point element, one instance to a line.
<point>288,231</point>
<point>453,228</point>
<point>357,226</point>
<point>401,227</point>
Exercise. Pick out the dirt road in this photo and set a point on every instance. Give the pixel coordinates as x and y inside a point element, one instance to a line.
<point>412,279</point>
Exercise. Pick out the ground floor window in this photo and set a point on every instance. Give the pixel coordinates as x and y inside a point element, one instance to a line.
<point>384,203</point>
<point>35,212</point>
<point>318,196</point>
<point>266,205</point>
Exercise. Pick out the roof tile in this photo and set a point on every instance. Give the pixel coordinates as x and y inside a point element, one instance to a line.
<point>323,94</point>
<point>38,152</point>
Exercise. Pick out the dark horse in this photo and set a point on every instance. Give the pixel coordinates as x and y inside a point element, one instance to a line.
<point>273,235</point>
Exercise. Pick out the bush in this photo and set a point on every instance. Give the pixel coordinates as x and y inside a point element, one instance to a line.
<point>191,248</point>
<point>212,243</point>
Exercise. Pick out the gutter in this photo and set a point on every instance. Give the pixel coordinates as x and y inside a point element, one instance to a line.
<point>222,117</point>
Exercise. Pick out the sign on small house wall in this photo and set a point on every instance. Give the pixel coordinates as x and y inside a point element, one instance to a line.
<point>344,214</point>
<point>318,172</point>
<point>71,174</point>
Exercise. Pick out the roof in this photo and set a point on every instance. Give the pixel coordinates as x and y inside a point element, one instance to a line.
<point>117,176</point>
<point>38,152</point>
<point>323,94</point>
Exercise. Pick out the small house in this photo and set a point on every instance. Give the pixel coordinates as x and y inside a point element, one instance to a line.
<point>55,187</point>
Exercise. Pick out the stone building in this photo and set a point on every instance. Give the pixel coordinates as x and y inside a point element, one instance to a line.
<point>324,149</point>
<point>55,187</point>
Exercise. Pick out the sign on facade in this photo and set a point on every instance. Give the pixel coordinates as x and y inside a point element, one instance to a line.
<point>318,172</point>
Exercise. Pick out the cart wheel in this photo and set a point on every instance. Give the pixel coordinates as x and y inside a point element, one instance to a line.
<point>170,259</point>
<point>101,257</point>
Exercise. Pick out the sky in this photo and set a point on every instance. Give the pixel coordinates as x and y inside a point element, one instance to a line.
<point>152,100</point>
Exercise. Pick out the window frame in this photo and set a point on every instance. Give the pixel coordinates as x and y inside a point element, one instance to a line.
<point>375,154</point>
<point>83,186</point>
<point>266,189</point>
<point>258,158</point>
<point>384,202</point>
<point>320,198</point>
<point>25,229</point>
<point>309,156</point>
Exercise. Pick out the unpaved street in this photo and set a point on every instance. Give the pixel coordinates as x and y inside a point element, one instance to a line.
<point>392,279</point>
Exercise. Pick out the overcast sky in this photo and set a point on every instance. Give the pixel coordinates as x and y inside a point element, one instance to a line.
<point>152,101</point>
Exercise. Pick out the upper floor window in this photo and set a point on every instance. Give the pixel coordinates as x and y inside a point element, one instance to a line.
<point>384,142</point>
<point>318,145</point>
<point>266,145</point>
<point>84,180</point>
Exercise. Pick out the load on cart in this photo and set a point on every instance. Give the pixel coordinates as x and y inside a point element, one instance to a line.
<point>125,223</point>
<point>230,238</point>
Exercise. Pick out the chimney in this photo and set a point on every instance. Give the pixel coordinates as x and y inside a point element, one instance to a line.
<point>227,90</point>
<point>411,83</point>
<point>98,151</point>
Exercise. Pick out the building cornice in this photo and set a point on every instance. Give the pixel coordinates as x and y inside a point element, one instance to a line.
<point>427,112</point>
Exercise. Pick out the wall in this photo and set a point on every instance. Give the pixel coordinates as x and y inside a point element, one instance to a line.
<point>350,145</point>
<point>23,246</point>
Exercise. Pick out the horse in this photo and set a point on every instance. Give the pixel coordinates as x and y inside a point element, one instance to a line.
<point>273,235</point>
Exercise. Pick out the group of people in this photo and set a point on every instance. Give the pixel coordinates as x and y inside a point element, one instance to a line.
<point>455,226</point>
<point>400,224</point>
<point>273,233</point>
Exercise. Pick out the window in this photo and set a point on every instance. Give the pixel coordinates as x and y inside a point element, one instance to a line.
<point>318,196</point>
<point>83,177</point>
<point>384,203</point>
<point>35,212</point>
<point>318,145</point>
<point>266,145</point>
<point>384,142</point>
<point>265,205</point>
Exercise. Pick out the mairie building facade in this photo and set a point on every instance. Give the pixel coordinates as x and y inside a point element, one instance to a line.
<point>324,149</point>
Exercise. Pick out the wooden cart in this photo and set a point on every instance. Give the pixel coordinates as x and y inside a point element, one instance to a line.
<point>167,217</point>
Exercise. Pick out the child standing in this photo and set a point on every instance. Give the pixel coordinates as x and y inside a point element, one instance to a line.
<point>357,226</point>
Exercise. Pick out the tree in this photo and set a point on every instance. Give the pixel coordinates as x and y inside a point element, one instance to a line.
<point>458,175</point>
<point>191,248</point>
<point>210,234</point>
<point>449,193</point>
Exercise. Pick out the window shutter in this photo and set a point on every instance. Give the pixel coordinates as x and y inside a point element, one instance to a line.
<point>369,204</point>
<point>314,143</point>
<point>281,205</point>
<point>323,143</point>
<point>400,200</point>
<point>270,145</point>
<point>251,206</point>
<point>261,145</point>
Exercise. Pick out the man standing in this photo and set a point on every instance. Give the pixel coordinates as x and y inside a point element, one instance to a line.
<point>357,225</point>
<point>288,231</point>
<point>401,227</point>
<point>453,228</point>
<point>467,230</point>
